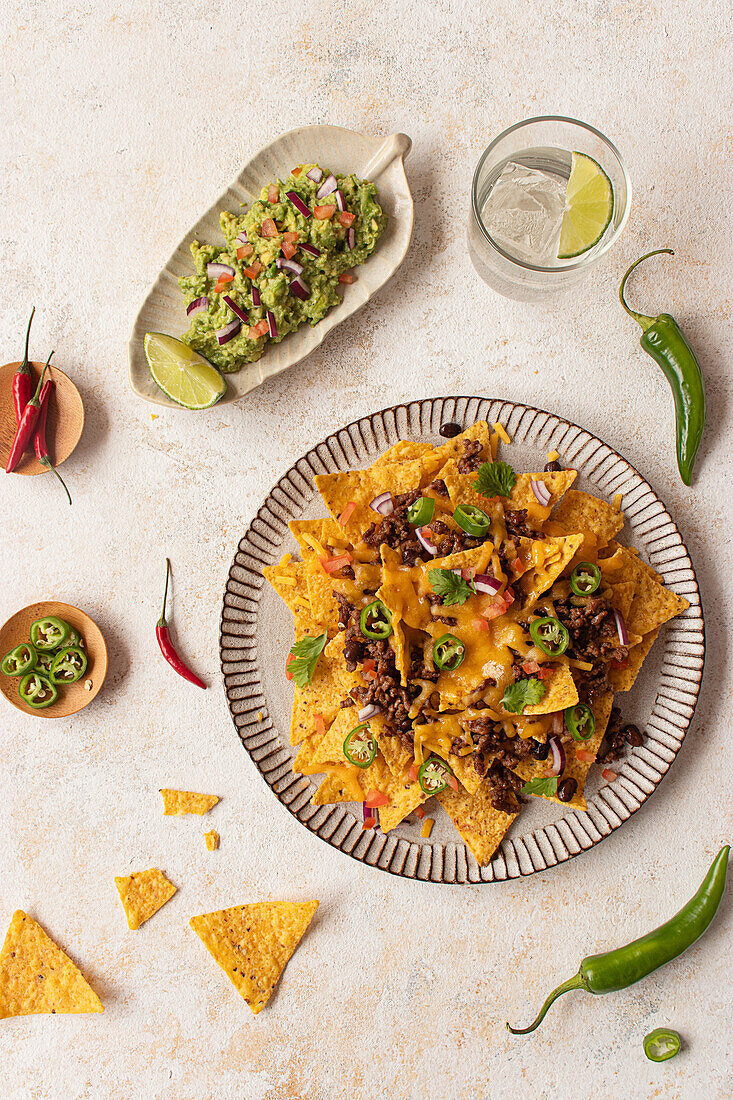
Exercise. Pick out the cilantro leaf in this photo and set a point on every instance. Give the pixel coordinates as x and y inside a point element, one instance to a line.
<point>305,654</point>
<point>523,693</point>
<point>451,586</point>
<point>541,786</point>
<point>495,479</point>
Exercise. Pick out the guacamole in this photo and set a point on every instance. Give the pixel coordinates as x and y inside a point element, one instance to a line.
<point>279,267</point>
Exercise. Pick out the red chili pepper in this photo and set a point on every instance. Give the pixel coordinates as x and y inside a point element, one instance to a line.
<point>23,379</point>
<point>39,439</point>
<point>26,426</point>
<point>163,634</point>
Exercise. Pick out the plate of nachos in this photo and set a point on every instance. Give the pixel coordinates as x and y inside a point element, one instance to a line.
<point>434,633</point>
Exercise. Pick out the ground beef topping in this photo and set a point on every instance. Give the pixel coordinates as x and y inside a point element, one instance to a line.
<point>504,787</point>
<point>617,738</point>
<point>594,639</point>
<point>517,526</point>
<point>471,458</point>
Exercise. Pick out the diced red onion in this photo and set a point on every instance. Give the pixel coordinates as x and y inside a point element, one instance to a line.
<point>383,504</point>
<point>541,492</point>
<point>272,323</point>
<point>224,335</point>
<point>329,184</point>
<point>623,634</point>
<point>300,289</point>
<point>338,196</point>
<point>425,542</point>
<point>298,203</point>
<point>243,238</point>
<point>310,249</point>
<point>486,583</point>
<point>256,301</point>
<point>215,270</point>
<point>289,265</point>
<point>350,238</point>
<point>197,306</point>
<point>558,756</point>
<point>235,308</point>
<point>315,174</point>
<point>371,710</point>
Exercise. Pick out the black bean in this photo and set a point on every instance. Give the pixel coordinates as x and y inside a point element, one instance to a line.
<point>450,430</point>
<point>539,749</point>
<point>552,467</point>
<point>567,789</point>
<point>633,736</point>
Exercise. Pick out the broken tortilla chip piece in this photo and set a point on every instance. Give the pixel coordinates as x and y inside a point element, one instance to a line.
<point>481,826</point>
<point>186,802</point>
<point>253,943</point>
<point>143,893</point>
<point>579,511</point>
<point>36,976</point>
<point>212,840</point>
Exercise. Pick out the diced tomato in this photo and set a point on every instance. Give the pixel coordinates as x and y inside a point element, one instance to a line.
<point>508,597</point>
<point>346,218</point>
<point>368,669</point>
<point>346,277</point>
<point>452,782</point>
<point>320,724</point>
<point>260,329</point>
<point>609,776</point>
<point>620,664</point>
<point>530,667</point>
<point>273,195</point>
<point>296,171</point>
<point>481,624</point>
<point>288,661</point>
<point>323,213</point>
<point>585,756</point>
<point>347,513</point>
<point>333,565</point>
<point>545,673</point>
<point>412,774</point>
<point>221,282</point>
<point>467,574</point>
<point>369,823</point>
<point>291,237</point>
<point>419,812</point>
<point>375,798</point>
<point>518,567</point>
<point>289,250</point>
<point>269,229</point>
<point>244,251</point>
<point>494,610</point>
<point>253,270</point>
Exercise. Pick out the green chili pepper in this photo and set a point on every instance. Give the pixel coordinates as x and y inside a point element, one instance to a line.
<point>664,340</point>
<point>37,691</point>
<point>376,621</point>
<point>614,970</point>
<point>449,653</point>
<point>74,638</point>
<point>580,722</point>
<point>49,633</point>
<point>69,665</point>
<point>421,511</point>
<point>44,662</point>
<point>662,1044</point>
<point>472,520</point>
<point>585,578</point>
<point>549,635</point>
<point>20,660</point>
<point>434,775</point>
<point>360,748</point>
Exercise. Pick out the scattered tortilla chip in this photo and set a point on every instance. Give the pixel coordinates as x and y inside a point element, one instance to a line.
<point>561,693</point>
<point>360,487</point>
<point>581,512</point>
<point>186,802</point>
<point>253,943</point>
<point>36,976</point>
<point>481,826</point>
<point>143,893</point>
<point>623,679</point>
<point>212,840</point>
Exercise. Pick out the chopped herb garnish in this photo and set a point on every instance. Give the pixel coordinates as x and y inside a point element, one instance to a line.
<point>523,693</point>
<point>450,586</point>
<point>495,479</point>
<point>538,785</point>
<point>305,655</point>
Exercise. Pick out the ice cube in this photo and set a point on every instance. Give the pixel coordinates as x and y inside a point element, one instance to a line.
<point>523,213</point>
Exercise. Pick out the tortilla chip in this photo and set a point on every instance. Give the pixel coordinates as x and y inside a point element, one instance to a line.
<point>407,450</point>
<point>186,802</point>
<point>324,530</point>
<point>395,589</point>
<point>351,784</point>
<point>143,893</point>
<point>331,683</point>
<point>253,943</point>
<point>290,581</point>
<point>557,483</point>
<point>622,596</point>
<point>581,512</point>
<point>481,826</point>
<point>360,487</point>
<point>461,491</point>
<point>397,758</point>
<point>212,840</point>
<point>546,559</point>
<point>654,603</point>
<point>36,976</point>
<point>623,679</point>
<point>561,693</point>
<point>324,608</point>
<point>404,796</point>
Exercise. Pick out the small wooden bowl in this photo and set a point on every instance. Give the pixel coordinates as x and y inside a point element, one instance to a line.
<point>72,697</point>
<point>65,418</point>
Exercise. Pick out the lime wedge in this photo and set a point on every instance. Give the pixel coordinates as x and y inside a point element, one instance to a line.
<point>182,373</point>
<point>588,207</point>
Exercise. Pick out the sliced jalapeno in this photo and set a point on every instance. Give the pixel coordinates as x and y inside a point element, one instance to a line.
<point>69,665</point>
<point>421,511</point>
<point>44,662</point>
<point>549,635</point>
<point>580,722</point>
<point>37,690</point>
<point>376,621</point>
<point>662,1044</point>
<point>472,520</point>
<point>74,639</point>
<point>20,660</point>
<point>434,775</point>
<point>449,653</point>
<point>360,747</point>
<point>49,633</point>
<point>585,578</point>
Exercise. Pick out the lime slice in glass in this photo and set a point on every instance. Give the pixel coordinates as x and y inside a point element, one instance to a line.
<point>588,207</point>
<point>182,373</point>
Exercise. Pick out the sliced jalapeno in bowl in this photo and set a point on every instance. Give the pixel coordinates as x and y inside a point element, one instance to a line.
<point>549,635</point>
<point>49,633</point>
<point>449,653</point>
<point>434,775</point>
<point>472,520</point>
<point>69,665</point>
<point>421,511</point>
<point>580,722</point>
<point>376,621</point>
<point>585,579</point>
<point>20,660</point>
<point>360,746</point>
<point>37,691</point>
<point>662,1044</point>
<point>44,662</point>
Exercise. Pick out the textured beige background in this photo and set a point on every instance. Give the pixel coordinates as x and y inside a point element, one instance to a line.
<point>119,124</point>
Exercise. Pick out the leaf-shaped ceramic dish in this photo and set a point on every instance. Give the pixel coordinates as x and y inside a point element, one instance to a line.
<point>376,159</point>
